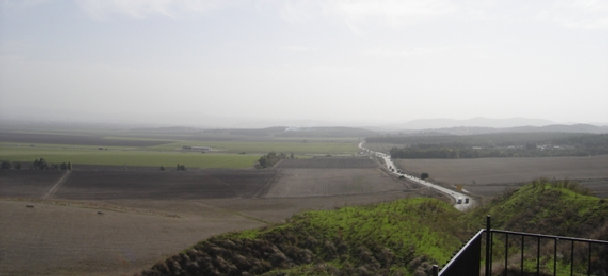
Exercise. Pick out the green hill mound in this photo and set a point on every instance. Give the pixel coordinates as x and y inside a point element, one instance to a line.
<point>403,237</point>
<point>554,208</point>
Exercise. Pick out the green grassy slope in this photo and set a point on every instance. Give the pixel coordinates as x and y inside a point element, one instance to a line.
<point>403,237</point>
<point>560,208</point>
<point>396,237</point>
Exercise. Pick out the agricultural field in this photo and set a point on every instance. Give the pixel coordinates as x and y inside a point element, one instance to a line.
<point>71,238</point>
<point>118,220</point>
<point>26,183</point>
<point>331,176</point>
<point>490,176</point>
<point>154,184</point>
<point>77,139</point>
<point>328,163</point>
<point>300,147</point>
<point>153,152</point>
<point>137,158</point>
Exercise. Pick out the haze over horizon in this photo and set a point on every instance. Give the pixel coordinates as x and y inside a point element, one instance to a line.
<point>208,63</point>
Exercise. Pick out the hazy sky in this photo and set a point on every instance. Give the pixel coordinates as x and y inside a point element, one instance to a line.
<point>202,62</point>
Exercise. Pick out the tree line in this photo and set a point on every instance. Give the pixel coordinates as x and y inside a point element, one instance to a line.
<point>477,146</point>
<point>38,164</point>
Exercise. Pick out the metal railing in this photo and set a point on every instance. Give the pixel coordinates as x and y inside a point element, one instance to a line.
<point>467,261</point>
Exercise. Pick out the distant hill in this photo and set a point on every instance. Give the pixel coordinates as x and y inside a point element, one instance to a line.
<point>474,122</point>
<point>488,126</point>
<point>556,128</point>
<point>169,129</point>
<point>336,131</point>
<point>267,132</point>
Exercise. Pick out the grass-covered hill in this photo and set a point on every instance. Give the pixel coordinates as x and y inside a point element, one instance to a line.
<point>560,208</point>
<point>403,237</point>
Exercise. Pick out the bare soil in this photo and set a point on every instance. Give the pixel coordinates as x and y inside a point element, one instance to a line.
<point>491,176</point>
<point>328,163</point>
<point>112,222</point>
<point>26,183</point>
<point>156,184</point>
<point>71,238</point>
<point>331,182</point>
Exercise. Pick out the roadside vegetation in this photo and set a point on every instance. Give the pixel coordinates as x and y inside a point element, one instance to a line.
<point>403,237</point>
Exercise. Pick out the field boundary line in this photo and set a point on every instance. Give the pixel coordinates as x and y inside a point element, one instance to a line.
<point>261,193</point>
<point>51,192</point>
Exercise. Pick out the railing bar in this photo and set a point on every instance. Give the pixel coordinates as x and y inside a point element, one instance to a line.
<point>550,236</point>
<point>589,260</point>
<point>521,269</point>
<point>571,256</point>
<point>506,251</point>
<point>488,245</point>
<point>538,256</point>
<point>555,256</point>
<point>478,238</point>
<point>491,250</point>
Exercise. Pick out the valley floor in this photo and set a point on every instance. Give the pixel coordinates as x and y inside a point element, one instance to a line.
<point>93,225</point>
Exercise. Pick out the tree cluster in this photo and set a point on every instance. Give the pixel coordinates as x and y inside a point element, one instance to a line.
<point>270,159</point>
<point>41,164</point>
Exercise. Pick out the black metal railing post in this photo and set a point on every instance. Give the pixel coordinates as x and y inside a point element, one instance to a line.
<point>571,256</point>
<point>555,256</point>
<point>506,252</point>
<point>488,245</point>
<point>468,259</point>
<point>589,261</point>
<point>521,264</point>
<point>538,256</point>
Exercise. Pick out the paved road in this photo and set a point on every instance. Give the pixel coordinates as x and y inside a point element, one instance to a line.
<point>391,168</point>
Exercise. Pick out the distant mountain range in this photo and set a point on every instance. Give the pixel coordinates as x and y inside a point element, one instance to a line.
<point>474,122</point>
<point>416,127</point>
<point>575,128</point>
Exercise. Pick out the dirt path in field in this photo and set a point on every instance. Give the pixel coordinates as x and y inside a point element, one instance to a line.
<point>51,192</point>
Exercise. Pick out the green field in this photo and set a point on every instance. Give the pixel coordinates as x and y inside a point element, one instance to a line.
<point>226,154</point>
<point>259,147</point>
<point>130,157</point>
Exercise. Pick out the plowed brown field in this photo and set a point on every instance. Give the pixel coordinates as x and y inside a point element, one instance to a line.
<point>26,183</point>
<point>490,176</point>
<point>108,221</point>
<point>145,184</point>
